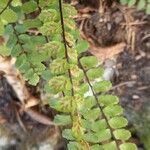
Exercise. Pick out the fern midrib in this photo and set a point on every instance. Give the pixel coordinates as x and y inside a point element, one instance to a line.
<point>65,44</point>
<point>96,99</point>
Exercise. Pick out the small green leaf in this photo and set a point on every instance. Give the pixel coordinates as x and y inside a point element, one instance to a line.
<point>70,38</point>
<point>38,39</point>
<point>63,105</point>
<point>3,3</point>
<point>1,28</point>
<point>29,7</point>
<point>103,135</point>
<point>102,86</point>
<point>96,147</point>
<point>8,16</point>
<point>89,102</point>
<point>141,4</point>
<point>128,146</point>
<point>28,47</point>
<point>54,49</point>
<point>90,137</point>
<point>83,88</point>
<point>62,119</point>
<point>20,28</point>
<point>74,146</point>
<point>24,67</point>
<point>43,3</point>
<point>69,11</point>
<point>118,122</point>
<point>59,84</point>
<point>28,74</point>
<point>32,23</point>
<point>124,2</point>
<point>47,88</point>
<point>107,100</point>
<point>82,46</point>
<point>16,3</point>
<point>67,134</point>
<point>122,134</point>
<point>92,114</point>
<point>19,13</point>
<point>113,110</point>
<point>59,66</point>
<point>20,60</point>
<point>39,67</point>
<point>36,57</point>
<point>70,25</point>
<point>34,79</point>
<point>56,104</point>
<point>16,50</point>
<point>89,62</point>
<point>86,124</point>
<point>50,28</point>
<point>148,9</point>
<point>12,41</point>
<point>47,75</point>
<point>95,73</point>
<point>131,3</point>
<point>4,51</point>
<point>9,30</point>
<point>110,146</point>
<point>72,56</point>
<point>48,15</point>
<point>24,38</point>
<point>99,125</point>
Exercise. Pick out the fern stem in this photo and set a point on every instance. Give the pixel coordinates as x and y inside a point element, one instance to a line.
<point>65,43</point>
<point>96,98</point>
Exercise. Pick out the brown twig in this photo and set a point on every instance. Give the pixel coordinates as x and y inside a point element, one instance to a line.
<point>133,23</point>
<point>20,121</point>
<point>41,118</point>
<point>123,84</point>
